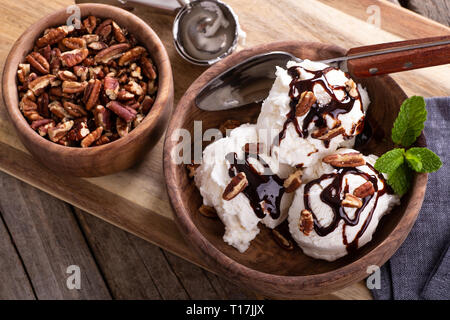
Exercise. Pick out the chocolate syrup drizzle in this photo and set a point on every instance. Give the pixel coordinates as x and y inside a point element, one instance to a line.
<point>318,111</point>
<point>268,187</point>
<point>332,195</point>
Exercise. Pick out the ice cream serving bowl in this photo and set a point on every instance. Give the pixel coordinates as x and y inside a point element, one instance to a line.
<point>275,221</point>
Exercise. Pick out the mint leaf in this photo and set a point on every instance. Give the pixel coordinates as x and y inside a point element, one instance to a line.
<point>390,161</point>
<point>400,179</point>
<point>410,121</point>
<point>429,161</point>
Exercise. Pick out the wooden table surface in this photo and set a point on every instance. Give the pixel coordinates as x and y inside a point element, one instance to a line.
<point>41,236</point>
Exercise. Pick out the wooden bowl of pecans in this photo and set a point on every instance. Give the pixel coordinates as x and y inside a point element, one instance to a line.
<point>91,97</point>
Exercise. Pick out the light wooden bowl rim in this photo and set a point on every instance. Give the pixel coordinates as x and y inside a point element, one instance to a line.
<point>354,271</point>
<point>24,44</point>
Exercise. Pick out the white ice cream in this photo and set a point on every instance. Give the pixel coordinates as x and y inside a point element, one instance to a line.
<point>293,149</point>
<point>212,177</point>
<point>331,246</point>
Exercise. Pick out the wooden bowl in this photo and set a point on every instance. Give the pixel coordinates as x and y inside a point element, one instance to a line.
<point>265,267</point>
<point>114,156</point>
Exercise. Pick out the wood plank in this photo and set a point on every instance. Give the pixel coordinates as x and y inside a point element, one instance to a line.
<point>138,191</point>
<point>394,19</point>
<point>438,10</point>
<point>136,269</point>
<point>13,278</point>
<point>48,240</point>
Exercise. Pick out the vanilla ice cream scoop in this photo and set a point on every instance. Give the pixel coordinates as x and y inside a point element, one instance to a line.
<point>343,209</point>
<point>224,159</point>
<point>334,113</point>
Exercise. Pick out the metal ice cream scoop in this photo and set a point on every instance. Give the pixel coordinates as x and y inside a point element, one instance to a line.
<point>204,31</point>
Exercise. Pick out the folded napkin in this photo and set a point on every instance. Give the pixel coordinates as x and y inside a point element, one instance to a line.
<point>420,269</point>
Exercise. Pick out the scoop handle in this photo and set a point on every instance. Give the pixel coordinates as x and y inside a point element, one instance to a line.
<point>403,58</point>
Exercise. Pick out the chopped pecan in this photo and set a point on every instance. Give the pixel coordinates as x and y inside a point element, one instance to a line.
<point>306,222</point>
<point>123,127</point>
<point>351,88</point>
<point>102,117</point>
<point>38,62</point>
<point>79,130</point>
<point>23,72</point>
<point>136,73</point>
<point>104,28</point>
<point>90,23</point>
<point>38,85</point>
<point>126,113</point>
<point>55,61</point>
<point>81,72</point>
<point>237,184</point>
<point>38,123</point>
<point>74,109</point>
<point>146,104</point>
<point>326,134</point>
<point>148,68</point>
<point>102,140</point>
<point>90,38</point>
<point>46,52</point>
<point>112,52</point>
<point>131,55</point>
<point>73,86</point>
<point>66,75</point>
<point>43,130</point>
<point>124,95</point>
<point>74,57</point>
<point>112,86</point>
<point>74,43</point>
<point>60,130</point>
<point>307,99</point>
<point>58,110</point>
<point>138,120</point>
<point>118,33</point>
<point>207,211</point>
<point>94,94</point>
<point>282,241</point>
<point>53,36</point>
<point>42,102</point>
<point>364,190</point>
<point>342,160</point>
<point>293,182</point>
<point>351,201</point>
<point>97,46</point>
<point>134,87</point>
<point>91,137</point>
<point>29,109</point>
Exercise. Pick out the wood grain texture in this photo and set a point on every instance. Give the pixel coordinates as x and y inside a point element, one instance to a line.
<point>264,267</point>
<point>139,191</point>
<point>57,242</point>
<point>438,10</point>
<point>15,284</point>
<point>112,157</point>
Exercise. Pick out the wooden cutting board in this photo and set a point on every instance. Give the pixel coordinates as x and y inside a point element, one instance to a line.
<point>136,199</point>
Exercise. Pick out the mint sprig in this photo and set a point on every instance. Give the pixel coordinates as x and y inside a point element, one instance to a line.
<point>399,164</point>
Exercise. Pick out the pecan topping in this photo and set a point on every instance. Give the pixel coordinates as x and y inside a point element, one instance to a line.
<point>90,23</point>
<point>327,134</point>
<point>148,68</point>
<point>293,182</point>
<point>23,72</point>
<point>207,211</point>
<point>364,190</point>
<point>79,130</point>
<point>131,55</point>
<point>282,241</point>
<point>118,33</point>
<point>111,87</point>
<point>342,160</point>
<point>94,93</point>
<point>351,201</point>
<point>307,99</point>
<point>237,184</point>
<point>73,109</point>
<point>122,127</point>
<point>38,85</point>
<point>29,109</point>
<point>351,88</point>
<point>306,222</point>
<point>147,103</point>
<point>66,75</point>
<point>53,36</point>
<point>111,53</point>
<point>74,43</point>
<point>73,86</point>
<point>58,110</point>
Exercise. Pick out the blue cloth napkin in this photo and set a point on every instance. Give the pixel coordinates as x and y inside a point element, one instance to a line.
<point>420,269</point>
